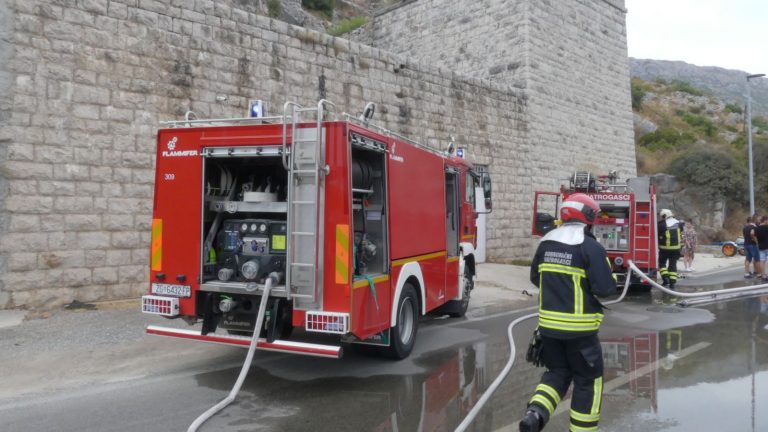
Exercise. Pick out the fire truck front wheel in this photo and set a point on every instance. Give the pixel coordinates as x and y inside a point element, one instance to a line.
<point>403,334</point>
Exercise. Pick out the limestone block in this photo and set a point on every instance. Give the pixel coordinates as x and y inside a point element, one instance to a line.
<point>27,170</point>
<point>24,223</point>
<point>83,222</point>
<point>29,204</point>
<point>105,275</point>
<point>95,258</point>
<point>118,257</point>
<point>125,239</point>
<point>22,261</point>
<point>132,273</point>
<point>93,240</point>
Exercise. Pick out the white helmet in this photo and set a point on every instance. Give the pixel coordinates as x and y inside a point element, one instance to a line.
<point>665,213</point>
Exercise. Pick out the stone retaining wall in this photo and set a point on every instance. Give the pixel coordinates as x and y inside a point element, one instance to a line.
<point>84,85</point>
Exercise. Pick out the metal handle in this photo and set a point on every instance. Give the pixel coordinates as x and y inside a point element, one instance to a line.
<point>285,125</point>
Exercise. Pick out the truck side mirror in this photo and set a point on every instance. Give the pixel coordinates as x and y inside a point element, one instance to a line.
<point>487,192</point>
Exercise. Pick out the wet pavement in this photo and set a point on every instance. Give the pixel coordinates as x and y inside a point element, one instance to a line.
<point>668,368</point>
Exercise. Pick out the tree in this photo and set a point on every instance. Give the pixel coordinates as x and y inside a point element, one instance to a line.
<point>714,171</point>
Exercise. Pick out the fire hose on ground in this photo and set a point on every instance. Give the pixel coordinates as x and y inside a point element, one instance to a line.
<point>272,279</point>
<point>716,295</point>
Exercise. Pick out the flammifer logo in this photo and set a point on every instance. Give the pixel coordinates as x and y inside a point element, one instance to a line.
<point>395,157</point>
<point>172,152</point>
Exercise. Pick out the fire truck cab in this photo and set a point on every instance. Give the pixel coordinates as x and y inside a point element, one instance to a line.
<point>363,231</point>
<point>626,225</point>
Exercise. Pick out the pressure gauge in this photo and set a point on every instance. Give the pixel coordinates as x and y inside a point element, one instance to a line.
<point>253,228</point>
<point>244,227</point>
<point>263,228</point>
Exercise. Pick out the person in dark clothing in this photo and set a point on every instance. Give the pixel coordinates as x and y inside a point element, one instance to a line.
<point>670,231</point>
<point>570,267</point>
<point>761,236</point>
<point>751,251</point>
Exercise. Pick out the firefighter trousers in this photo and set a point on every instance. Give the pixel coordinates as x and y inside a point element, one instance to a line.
<point>668,265</point>
<point>579,360</point>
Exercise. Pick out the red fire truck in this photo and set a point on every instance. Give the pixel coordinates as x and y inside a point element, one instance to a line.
<point>626,225</point>
<point>363,230</point>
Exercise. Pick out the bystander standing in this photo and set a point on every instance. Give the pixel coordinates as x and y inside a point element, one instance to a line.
<point>689,245</point>
<point>761,235</point>
<point>751,251</point>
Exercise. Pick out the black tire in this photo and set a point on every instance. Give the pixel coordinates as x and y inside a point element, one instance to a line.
<point>403,334</point>
<point>458,308</point>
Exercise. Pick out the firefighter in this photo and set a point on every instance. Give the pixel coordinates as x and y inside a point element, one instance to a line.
<point>670,232</point>
<point>570,267</point>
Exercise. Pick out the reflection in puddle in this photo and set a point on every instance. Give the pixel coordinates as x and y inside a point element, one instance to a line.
<point>707,376</point>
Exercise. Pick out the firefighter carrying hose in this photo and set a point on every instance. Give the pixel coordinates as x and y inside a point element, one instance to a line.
<point>670,243</point>
<point>570,267</point>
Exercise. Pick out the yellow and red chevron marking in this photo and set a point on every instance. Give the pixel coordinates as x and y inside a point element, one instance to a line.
<point>156,248</point>
<point>342,254</point>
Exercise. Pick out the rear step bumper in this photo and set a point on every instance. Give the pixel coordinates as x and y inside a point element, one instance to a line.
<point>303,348</point>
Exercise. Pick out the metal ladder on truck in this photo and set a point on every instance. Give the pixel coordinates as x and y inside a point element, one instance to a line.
<point>304,159</point>
<point>643,231</point>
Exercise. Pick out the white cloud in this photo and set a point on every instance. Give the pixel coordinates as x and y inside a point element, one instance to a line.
<point>729,34</point>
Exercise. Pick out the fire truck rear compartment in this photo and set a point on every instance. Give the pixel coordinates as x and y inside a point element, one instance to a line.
<point>244,234</point>
<point>244,237</point>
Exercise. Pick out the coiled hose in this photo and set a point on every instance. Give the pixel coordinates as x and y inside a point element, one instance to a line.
<point>272,279</point>
<point>728,293</point>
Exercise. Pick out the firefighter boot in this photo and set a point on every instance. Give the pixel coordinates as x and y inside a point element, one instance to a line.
<point>532,422</point>
<point>665,281</point>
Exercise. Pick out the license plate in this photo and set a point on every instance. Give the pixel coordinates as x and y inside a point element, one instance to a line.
<point>172,290</point>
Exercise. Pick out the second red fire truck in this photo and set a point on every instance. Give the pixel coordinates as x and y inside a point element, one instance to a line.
<point>361,230</point>
<point>626,225</point>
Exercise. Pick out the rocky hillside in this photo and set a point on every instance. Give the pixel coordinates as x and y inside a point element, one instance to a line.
<point>699,139</point>
<point>728,85</point>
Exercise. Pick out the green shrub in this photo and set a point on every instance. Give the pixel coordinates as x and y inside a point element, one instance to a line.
<point>702,123</point>
<point>716,172</point>
<point>638,92</point>
<point>697,109</point>
<point>740,143</point>
<point>682,86</point>
<point>666,138</point>
<point>347,25</point>
<point>324,6</point>
<point>733,108</point>
<point>760,122</point>
<point>274,8</point>
<point>661,81</point>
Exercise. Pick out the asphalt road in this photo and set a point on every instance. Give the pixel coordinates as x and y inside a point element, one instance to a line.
<point>667,369</point>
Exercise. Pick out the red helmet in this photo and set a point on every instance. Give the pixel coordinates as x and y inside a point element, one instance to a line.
<point>580,207</point>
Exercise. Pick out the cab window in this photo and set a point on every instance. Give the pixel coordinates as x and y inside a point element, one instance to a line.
<point>469,193</point>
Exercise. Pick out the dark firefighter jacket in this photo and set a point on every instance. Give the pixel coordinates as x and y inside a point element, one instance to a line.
<point>570,267</point>
<point>670,234</point>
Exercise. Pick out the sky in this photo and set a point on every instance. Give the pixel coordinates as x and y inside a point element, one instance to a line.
<point>732,34</point>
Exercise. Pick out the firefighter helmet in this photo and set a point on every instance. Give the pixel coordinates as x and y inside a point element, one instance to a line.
<point>580,207</point>
<point>665,213</point>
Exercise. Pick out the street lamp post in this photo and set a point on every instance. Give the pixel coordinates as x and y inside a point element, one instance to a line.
<point>749,146</point>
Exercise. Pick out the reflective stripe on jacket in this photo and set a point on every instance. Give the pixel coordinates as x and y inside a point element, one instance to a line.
<point>569,276</point>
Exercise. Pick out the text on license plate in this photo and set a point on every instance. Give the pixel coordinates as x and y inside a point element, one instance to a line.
<point>172,290</point>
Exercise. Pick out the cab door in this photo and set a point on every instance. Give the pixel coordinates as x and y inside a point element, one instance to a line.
<point>545,212</point>
<point>468,205</point>
<point>453,222</point>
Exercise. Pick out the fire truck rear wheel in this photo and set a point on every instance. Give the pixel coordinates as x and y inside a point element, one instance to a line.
<point>403,334</point>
